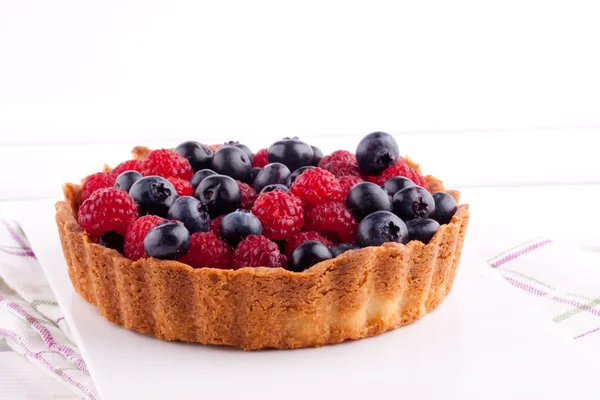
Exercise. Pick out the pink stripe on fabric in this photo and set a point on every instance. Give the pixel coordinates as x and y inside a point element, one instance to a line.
<point>25,253</point>
<point>587,333</point>
<point>525,287</point>
<point>17,238</point>
<point>46,335</point>
<point>47,364</point>
<point>518,253</point>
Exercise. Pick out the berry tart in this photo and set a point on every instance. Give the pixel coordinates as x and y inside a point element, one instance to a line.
<point>282,248</point>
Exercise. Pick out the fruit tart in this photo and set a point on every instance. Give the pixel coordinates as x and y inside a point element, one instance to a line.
<point>282,248</point>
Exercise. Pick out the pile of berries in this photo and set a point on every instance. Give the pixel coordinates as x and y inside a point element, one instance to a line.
<point>286,206</point>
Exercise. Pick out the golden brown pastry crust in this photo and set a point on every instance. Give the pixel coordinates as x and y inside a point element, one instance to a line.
<point>358,294</point>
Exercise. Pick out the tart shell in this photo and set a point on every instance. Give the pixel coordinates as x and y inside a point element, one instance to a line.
<point>358,294</point>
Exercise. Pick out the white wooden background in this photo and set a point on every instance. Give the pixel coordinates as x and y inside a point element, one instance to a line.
<point>500,100</point>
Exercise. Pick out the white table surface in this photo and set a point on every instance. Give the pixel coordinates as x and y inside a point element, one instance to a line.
<point>504,184</point>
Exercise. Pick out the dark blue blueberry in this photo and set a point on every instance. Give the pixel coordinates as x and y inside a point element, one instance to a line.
<point>254,173</point>
<point>112,240</point>
<point>242,147</point>
<point>272,173</point>
<point>341,248</point>
<point>445,207</point>
<point>381,227</point>
<point>396,184</point>
<point>199,155</point>
<point>274,186</point>
<point>291,152</point>
<point>154,195</point>
<point>233,162</point>
<point>317,156</point>
<point>191,212</point>
<point>376,152</point>
<point>413,202</point>
<point>200,175</point>
<point>167,241</point>
<point>237,225</point>
<point>308,254</point>
<point>220,194</point>
<point>422,229</point>
<point>298,172</point>
<point>126,179</point>
<point>365,198</point>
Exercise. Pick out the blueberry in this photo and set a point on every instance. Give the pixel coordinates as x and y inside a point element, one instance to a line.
<point>413,202</point>
<point>237,225</point>
<point>154,195</point>
<point>220,194</point>
<point>126,179</point>
<point>341,248</point>
<point>233,162</point>
<point>199,155</point>
<point>272,173</point>
<point>308,254</point>
<point>254,173</point>
<point>200,175</point>
<point>376,152</point>
<point>445,207</point>
<point>365,198</point>
<point>112,240</point>
<point>167,241</point>
<point>422,229</point>
<point>291,152</point>
<point>274,186</point>
<point>191,212</point>
<point>242,147</point>
<point>396,184</point>
<point>299,171</point>
<point>317,156</point>
<point>381,227</point>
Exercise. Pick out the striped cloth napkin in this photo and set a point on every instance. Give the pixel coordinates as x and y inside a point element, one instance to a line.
<point>564,283</point>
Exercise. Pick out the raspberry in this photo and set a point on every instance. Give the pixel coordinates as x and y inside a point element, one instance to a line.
<point>167,163</point>
<point>215,225</point>
<point>257,251</point>
<point>249,195</point>
<point>260,158</point>
<point>108,209</point>
<point>333,217</point>
<point>99,180</point>
<point>401,168</point>
<point>214,147</point>
<point>280,214</point>
<point>207,250</point>
<point>342,168</point>
<point>300,237</point>
<point>316,186</point>
<point>342,156</point>
<point>346,183</point>
<point>129,165</point>
<point>136,233</point>
<point>183,187</point>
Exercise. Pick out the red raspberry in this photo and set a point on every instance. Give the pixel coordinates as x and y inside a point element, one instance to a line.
<point>214,147</point>
<point>207,250</point>
<point>280,213</point>
<point>341,168</point>
<point>99,180</point>
<point>249,195</point>
<point>371,178</point>
<point>333,217</point>
<point>260,158</point>
<point>300,237</point>
<point>257,251</point>
<point>346,183</point>
<point>167,163</point>
<point>183,187</point>
<point>129,165</point>
<point>108,209</point>
<point>215,225</point>
<point>401,168</point>
<point>316,186</point>
<point>342,156</point>
<point>135,234</point>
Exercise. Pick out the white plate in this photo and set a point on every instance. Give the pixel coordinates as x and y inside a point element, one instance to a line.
<point>483,342</point>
